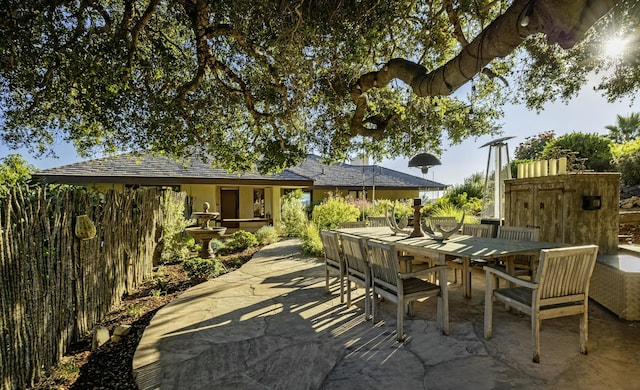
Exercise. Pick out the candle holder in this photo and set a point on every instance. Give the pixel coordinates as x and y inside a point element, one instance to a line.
<point>417,219</point>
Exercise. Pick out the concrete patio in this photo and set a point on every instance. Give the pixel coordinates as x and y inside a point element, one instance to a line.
<point>271,325</point>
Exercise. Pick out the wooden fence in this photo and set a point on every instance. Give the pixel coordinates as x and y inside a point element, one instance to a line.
<point>54,287</point>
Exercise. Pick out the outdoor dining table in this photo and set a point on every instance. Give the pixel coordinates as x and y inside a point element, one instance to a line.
<point>456,246</point>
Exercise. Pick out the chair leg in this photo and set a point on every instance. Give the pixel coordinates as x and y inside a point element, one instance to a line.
<point>373,305</point>
<point>535,335</point>
<point>400,320</point>
<point>584,330</point>
<point>488,306</point>
<point>326,278</point>
<point>367,301</point>
<point>348,283</point>
<point>342,277</point>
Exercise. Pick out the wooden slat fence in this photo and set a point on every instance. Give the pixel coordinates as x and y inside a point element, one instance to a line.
<point>54,287</point>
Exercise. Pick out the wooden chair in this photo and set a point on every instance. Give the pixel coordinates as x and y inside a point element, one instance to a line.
<point>357,267</point>
<point>560,288</point>
<point>524,264</point>
<point>403,288</point>
<point>377,221</point>
<point>477,229</point>
<point>333,259</point>
<point>471,229</point>
<point>347,225</point>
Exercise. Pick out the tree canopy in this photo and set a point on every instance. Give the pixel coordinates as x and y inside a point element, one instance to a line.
<point>626,129</point>
<point>237,82</point>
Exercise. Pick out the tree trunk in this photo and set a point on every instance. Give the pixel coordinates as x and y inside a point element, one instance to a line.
<point>564,22</point>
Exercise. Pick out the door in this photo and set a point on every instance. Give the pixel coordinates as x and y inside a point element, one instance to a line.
<point>518,210</point>
<point>229,200</point>
<point>548,214</point>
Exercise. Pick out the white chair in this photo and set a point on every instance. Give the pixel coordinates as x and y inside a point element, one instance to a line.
<point>357,267</point>
<point>333,259</point>
<point>560,288</point>
<point>403,288</point>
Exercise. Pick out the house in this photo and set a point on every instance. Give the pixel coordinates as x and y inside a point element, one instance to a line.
<point>245,201</point>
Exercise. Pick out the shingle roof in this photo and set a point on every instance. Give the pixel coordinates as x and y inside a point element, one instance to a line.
<point>355,176</point>
<point>160,170</point>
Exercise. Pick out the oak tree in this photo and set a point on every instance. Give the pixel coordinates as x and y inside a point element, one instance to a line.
<point>237,82</point>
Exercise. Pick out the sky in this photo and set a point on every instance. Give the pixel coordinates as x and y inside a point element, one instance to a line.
<point>587,113</point>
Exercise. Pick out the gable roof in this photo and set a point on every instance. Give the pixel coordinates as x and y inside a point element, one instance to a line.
<point>357,176</point>
<point>159,170</point>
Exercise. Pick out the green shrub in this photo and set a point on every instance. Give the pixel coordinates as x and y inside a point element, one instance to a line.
<point>532,147</point>
<point>626,159</point>
<point>311,242</point>
<point>175,242</point>
<point>14,170</point>
<point>267,235</point>
<point>384,207</point>
<point>202,269</point>
<point>293,218</point>
<point>595,148</point>
<point>241,240</point>
<point>363,206</point>
<point>446,209</point>
<point>332,211</point>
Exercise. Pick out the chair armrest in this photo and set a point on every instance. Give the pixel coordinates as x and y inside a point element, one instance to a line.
<point>511,278</point>
<point>430,270</point>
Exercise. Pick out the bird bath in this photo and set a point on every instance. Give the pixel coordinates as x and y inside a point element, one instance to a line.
<point>205,233</point>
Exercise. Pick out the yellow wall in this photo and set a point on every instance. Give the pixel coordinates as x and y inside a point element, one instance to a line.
<point>201,193</point>
<point>104,187</point>
<point>245,205</point>
<point>394,194</point>
<point>273,204</point>
<point>380,194</point>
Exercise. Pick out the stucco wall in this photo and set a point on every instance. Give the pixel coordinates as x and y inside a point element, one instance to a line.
<point>380,194</point>
<point>201,193</point>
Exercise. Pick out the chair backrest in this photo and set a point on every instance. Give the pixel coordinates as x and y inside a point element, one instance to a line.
<point>355,252</point>
<point>444,222</point>
<point>384,263</point>
<point>565,272</point>
<point>477,230</point>
<point>518,233</point>
<point>377,221</point>
<point>331,246</point>
<point>358,224</point>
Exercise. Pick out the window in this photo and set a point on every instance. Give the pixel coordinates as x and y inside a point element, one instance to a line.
<point>258,202</point>
<point>358,194</point>
<point>306,196</point>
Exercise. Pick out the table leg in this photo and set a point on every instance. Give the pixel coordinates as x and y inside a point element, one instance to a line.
<point>466,277</point>
<point>510,266</point>
<point>444,283</point>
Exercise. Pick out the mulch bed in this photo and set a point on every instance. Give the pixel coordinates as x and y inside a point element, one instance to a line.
<point>110,366</point>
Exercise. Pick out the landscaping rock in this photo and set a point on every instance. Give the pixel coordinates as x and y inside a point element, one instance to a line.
<point>122,330</point>
<point>629,203</point>
<point>100,336</point>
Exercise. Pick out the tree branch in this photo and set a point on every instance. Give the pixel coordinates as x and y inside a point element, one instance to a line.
<point>455,22</point>
<point>563,21</point>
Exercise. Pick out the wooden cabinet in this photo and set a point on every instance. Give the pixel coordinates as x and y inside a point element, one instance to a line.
<point>577,208</point>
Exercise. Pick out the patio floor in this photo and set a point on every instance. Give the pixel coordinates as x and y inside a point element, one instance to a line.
<point>271,325</point>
